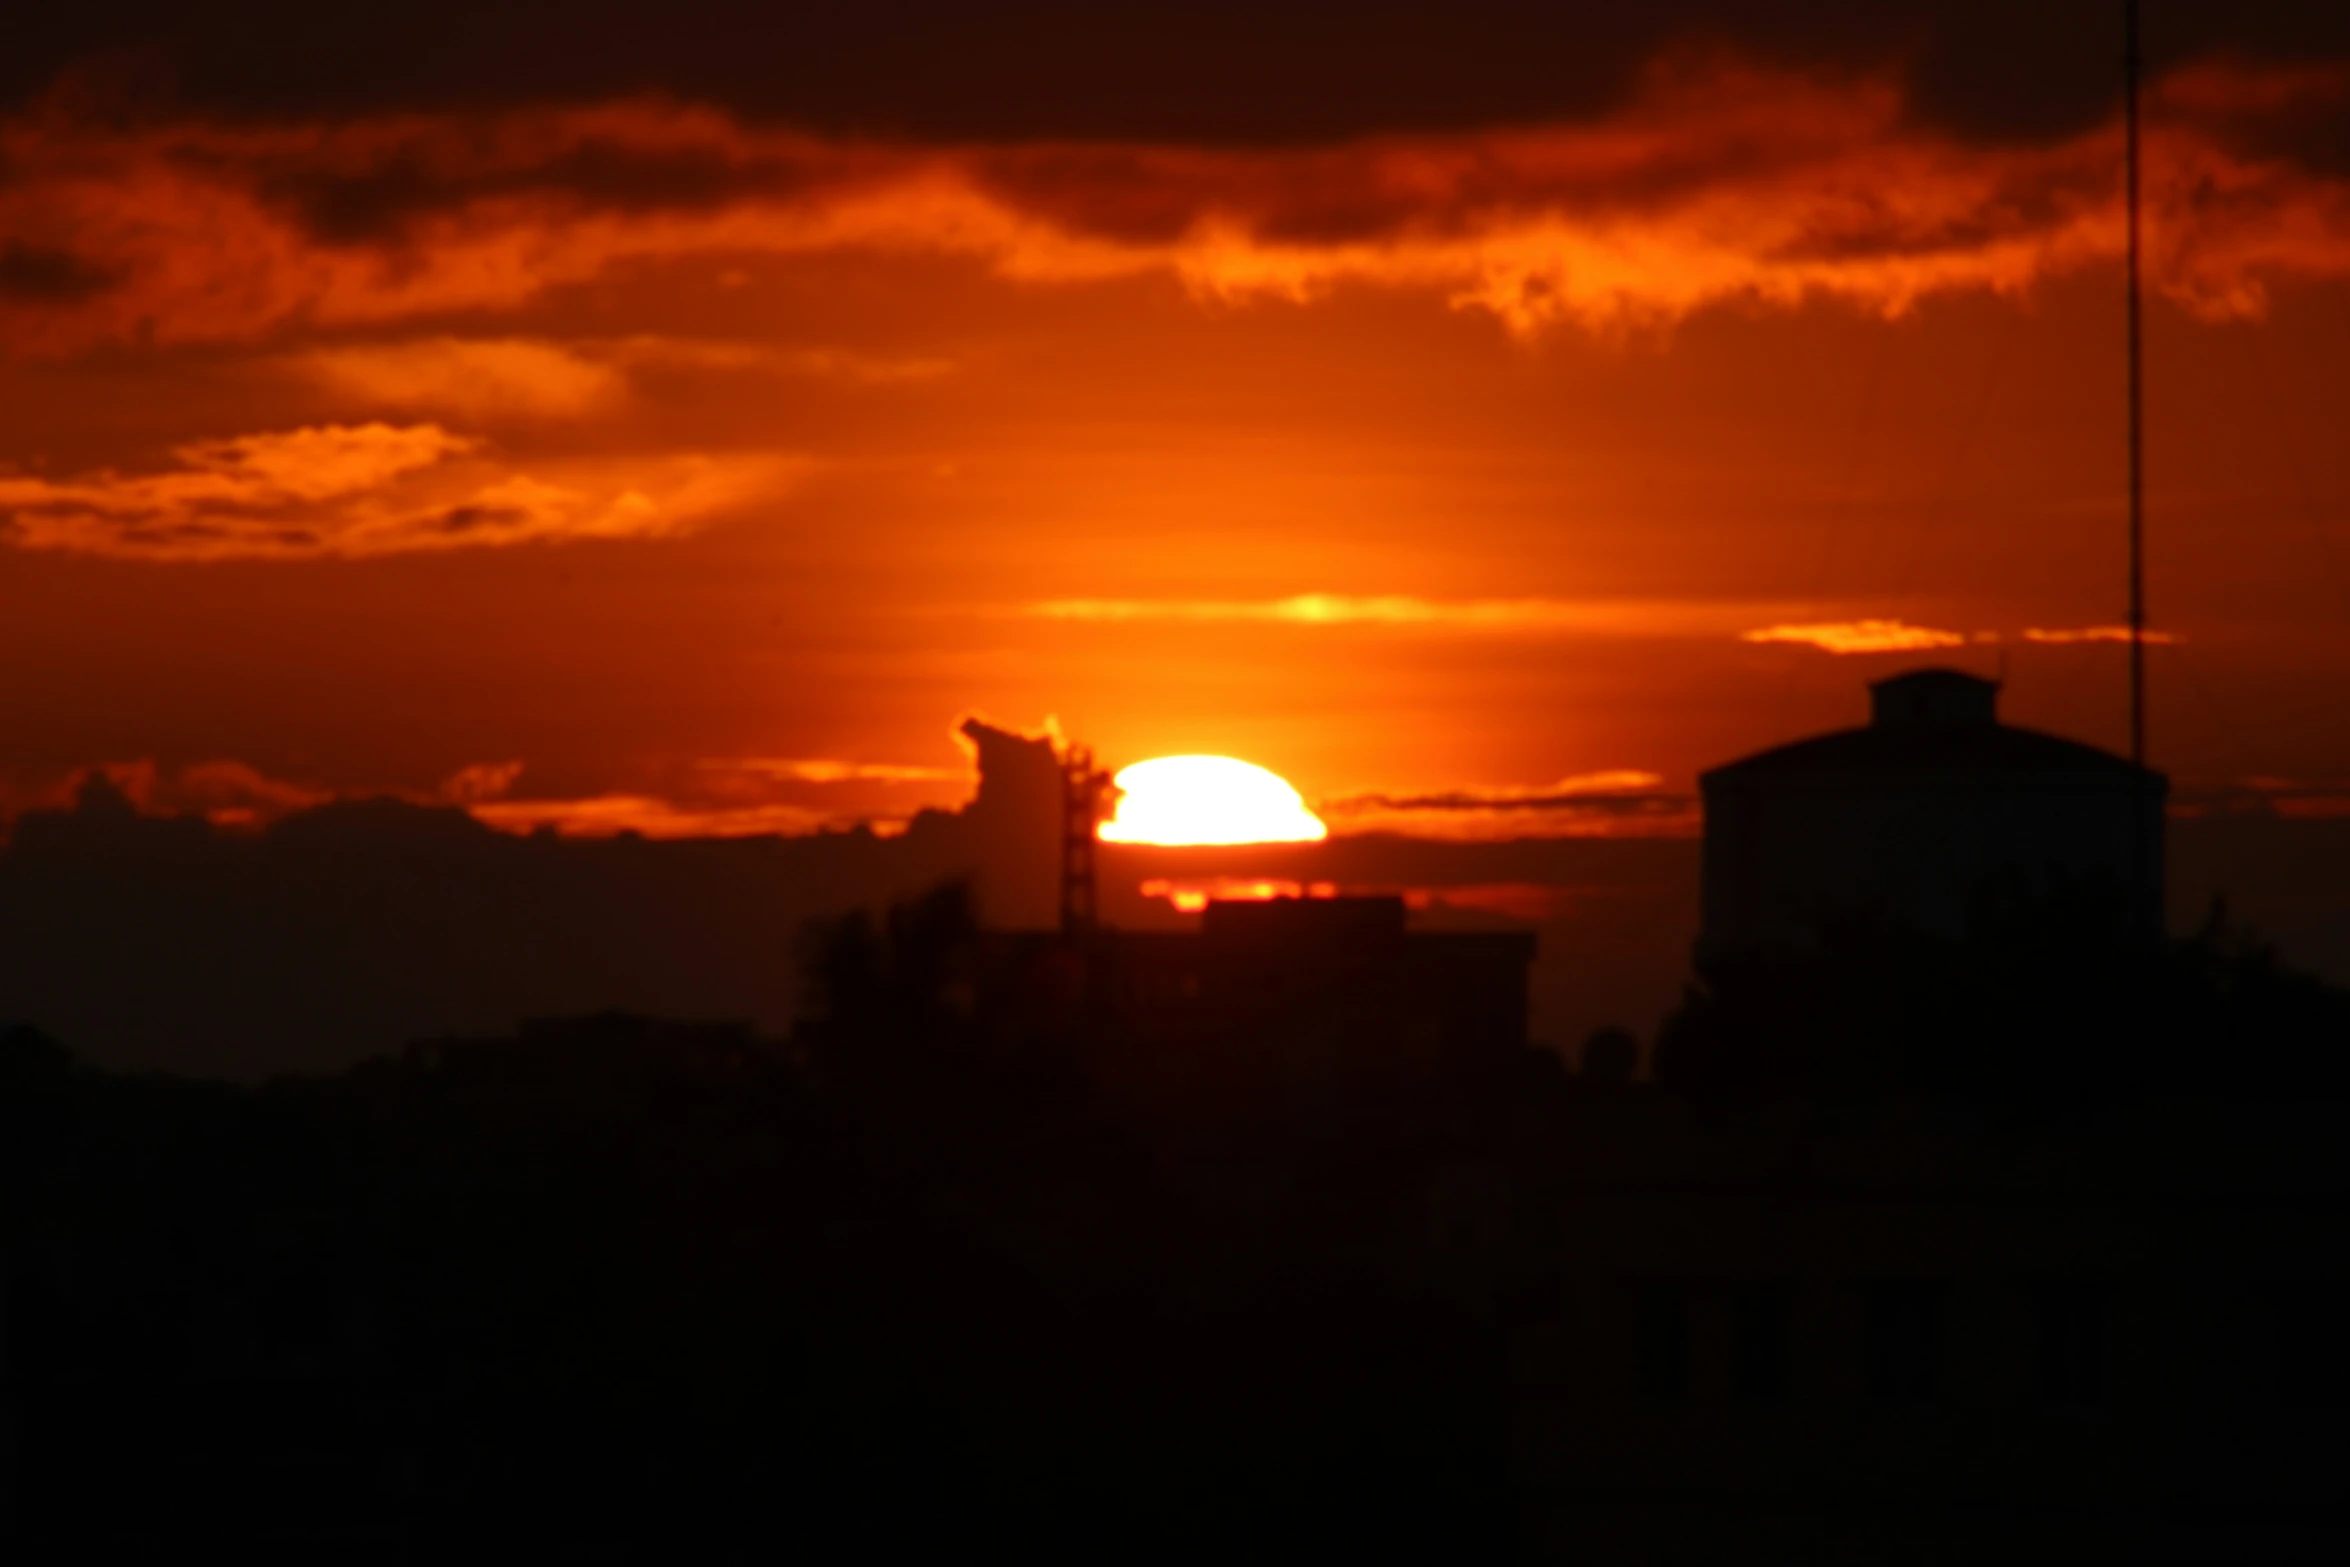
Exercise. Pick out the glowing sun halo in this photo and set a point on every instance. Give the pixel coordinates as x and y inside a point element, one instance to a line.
<point>1208,799</point>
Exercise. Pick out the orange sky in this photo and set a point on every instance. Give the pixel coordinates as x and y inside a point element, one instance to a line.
<point>669,451</point>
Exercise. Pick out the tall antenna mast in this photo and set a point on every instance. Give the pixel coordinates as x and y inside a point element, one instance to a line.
<point>2130,74</point>
<point>1082,788</point>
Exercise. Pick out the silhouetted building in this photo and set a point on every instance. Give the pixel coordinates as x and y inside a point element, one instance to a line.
<point>1283,994</point>
<point>1932,805</point>
<point>1318,986</point>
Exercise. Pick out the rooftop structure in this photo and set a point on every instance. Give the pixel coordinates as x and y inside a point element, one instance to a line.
<point>1917,816</point>
<point>1318,988</point>
<point>1264,997</point>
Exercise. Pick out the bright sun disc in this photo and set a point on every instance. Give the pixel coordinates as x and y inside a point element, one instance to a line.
<point>1208,799</point>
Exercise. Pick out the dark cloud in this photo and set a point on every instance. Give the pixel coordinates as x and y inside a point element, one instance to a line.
<point>1205,71</point>
<point>367,199</point>
<point>38,274</point>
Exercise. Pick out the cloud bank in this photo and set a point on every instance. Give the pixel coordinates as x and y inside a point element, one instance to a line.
<point>1709,180</point>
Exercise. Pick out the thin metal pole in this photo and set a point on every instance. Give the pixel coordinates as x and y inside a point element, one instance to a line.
<point>2145,814</point>
<point>2130,66</point>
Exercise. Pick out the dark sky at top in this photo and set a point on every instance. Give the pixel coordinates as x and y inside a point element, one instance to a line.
<point>1197,72</point>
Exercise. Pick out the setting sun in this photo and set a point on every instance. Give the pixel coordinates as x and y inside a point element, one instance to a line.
<point>1208,799</point>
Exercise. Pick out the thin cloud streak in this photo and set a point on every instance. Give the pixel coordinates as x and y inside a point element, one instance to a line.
<point>533,378</point>
<point>1387,610</point>
<point>1659,816</point>
<point>1899,636</point>
<point>471,377</point>
<point>1526,901</point>
<point>1859,636</point>
<point>826,770</point>
<point>2292,799</point>
<point>649,816</point>
<point>2096,634</point>
<point>1568,793</point>
<point>1619,802</point>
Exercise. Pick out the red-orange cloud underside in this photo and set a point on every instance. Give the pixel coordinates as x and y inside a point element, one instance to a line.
<point>1716,181</point>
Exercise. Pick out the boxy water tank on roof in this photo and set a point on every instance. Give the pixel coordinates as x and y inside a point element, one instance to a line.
<point>1911,816</point>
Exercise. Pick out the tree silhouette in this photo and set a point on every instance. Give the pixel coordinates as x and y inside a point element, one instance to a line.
<point>2048,999</point>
